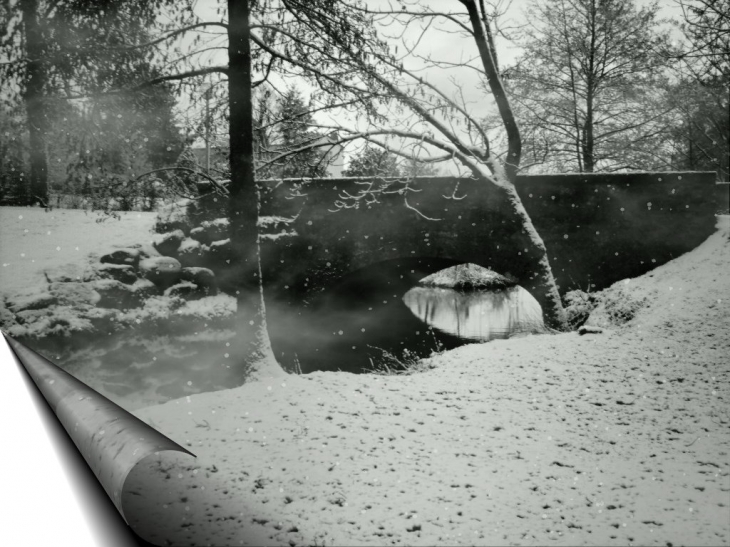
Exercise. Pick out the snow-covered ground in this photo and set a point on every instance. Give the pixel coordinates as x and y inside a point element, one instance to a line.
<point>33,240</point>
<point>619,438</point>
<point>614,438</point>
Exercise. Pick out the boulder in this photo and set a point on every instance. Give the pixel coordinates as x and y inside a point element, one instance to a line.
<point>185,290</point>
<point>54,321</point>
<point>6,316</point>
<point>128,256</point>
<point>75,293</point>
<point>220,247</point>
<point>202,277</point>
<point>36,301</point>
<point>148,251</point>
<point>163,271</point>
<point>100,318</point>
<point>466,277</point>
<point>119,272</point>
<point>217,254</point>
<point>210,231</point>
<point>142,289</point>
<point>68,272</point>
<point>190,252</point>
<point>167,244</point>
<point>27,317</point>
<point>114,294</point>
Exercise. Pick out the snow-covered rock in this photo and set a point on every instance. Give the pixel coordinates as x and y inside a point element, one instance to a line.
<point>211,230</point>
<point>30,316</point>
<point>168,244</point>
<point>36,301</point>
<point>468,277</point>
<point>210,308</point>
<point>190,252</point>
<point>114,294</point>
<point>202,277</point>
<point>119,272</point>
<point>216,254</point>
<point>75,293</point>
<point>122,256</point>
<point>148,251</point>
<point>185,290</point>
<point>142,289</point>
<point>68,272</point>
<point>6,316</point>
<point>219,246</point>
<point>163,271</point>
<point>157,309</point>
<point>53,321</point>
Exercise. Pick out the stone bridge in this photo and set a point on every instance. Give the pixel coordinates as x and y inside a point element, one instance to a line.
<point>598,228</point>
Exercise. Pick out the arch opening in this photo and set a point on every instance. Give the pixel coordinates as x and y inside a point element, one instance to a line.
<point>379,316</point>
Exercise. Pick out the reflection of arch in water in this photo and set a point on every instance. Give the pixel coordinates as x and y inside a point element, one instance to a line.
<point>476,315</point>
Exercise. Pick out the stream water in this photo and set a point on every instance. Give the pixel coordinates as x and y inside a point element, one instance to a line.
<point>356,327</point>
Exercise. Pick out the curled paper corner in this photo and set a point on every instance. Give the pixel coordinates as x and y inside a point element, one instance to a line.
<point>112,441</point>
<point>163,492</point>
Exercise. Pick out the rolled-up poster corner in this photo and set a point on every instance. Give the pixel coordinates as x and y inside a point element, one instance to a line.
<point>111,440</point>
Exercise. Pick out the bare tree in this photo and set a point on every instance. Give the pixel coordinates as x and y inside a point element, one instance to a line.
<point>589,87</point>
<point>382,88</point>
<point>705,134</point>
<point>706,26</point>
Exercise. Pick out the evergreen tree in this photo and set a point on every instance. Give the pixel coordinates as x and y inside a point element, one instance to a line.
<point>294,134</point>
<point>373,162</point>
<point>56,49</point>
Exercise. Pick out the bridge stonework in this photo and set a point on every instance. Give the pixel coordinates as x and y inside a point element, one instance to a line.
<point>598,228</point>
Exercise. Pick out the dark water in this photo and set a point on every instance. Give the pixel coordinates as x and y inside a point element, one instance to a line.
<point>340,332</point>
<point>356,326</point>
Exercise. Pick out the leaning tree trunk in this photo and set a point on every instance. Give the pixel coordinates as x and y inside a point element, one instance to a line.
<point>252,345</point>
<point>542,284</point>
<point>544,289</point>
<point>37,116</point>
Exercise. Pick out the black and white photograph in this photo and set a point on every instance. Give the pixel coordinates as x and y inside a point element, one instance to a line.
<point>366,272</point>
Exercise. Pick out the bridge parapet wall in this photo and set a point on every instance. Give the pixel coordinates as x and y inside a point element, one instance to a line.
<point>598,228</point>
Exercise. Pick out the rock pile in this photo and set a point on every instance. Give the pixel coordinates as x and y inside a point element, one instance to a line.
<point>167,276</point>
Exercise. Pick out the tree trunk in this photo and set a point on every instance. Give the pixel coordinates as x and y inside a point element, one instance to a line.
<point>514,141</point>
<point>589,162</point>
<point>252,345</point>
<point>37,116</point>
<point>544,289</point>
<point>588,138</point>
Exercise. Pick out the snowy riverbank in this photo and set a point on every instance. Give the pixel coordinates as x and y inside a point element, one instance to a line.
<point>605,439</point>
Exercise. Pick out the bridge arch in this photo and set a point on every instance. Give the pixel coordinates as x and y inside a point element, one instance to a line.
<point>596,228</point>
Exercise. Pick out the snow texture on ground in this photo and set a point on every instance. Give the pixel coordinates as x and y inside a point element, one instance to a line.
<point>615,438</point>
<point>33,240</point>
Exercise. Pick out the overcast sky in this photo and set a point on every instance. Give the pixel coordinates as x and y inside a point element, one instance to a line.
<point>444,45</point>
